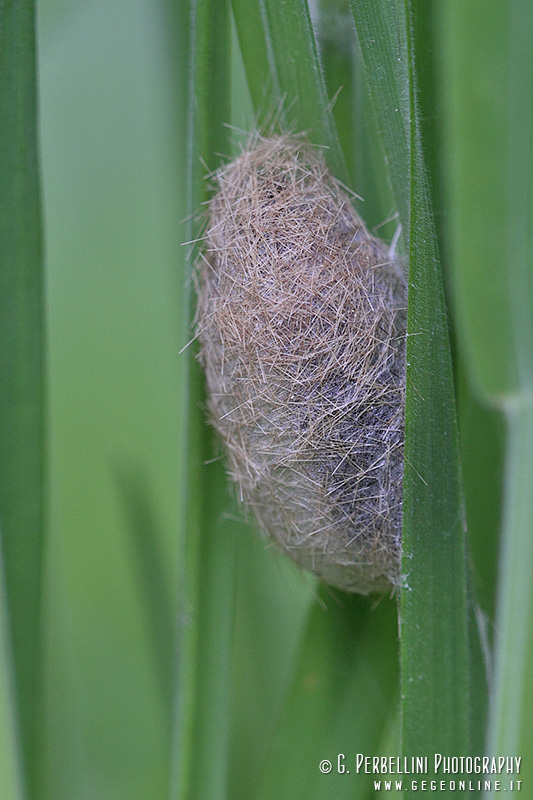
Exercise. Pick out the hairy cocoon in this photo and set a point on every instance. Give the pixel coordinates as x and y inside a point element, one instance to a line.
<point>301,320</point>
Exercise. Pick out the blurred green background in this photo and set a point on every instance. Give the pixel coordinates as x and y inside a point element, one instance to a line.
<point>111,185</point>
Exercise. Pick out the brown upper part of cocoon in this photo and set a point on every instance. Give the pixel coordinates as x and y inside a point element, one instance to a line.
<point>301,319</point>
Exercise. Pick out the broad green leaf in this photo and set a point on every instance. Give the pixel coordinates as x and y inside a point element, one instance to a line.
<point>488,110</point>
<point>22,371</point>
<point>477,89</point>
<point>109,149</point>
<point>513,692</point>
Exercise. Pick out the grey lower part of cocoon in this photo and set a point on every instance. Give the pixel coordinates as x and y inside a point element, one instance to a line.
<point>302,325</point>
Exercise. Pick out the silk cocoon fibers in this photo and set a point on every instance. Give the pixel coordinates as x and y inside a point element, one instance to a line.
<point>302,326</point>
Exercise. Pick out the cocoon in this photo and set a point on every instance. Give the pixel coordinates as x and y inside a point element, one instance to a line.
<point>302,326</point>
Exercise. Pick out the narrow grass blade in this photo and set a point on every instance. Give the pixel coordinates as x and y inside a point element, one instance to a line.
<point>215,610</point>
<point>340,701</point>
<point>199,760</point>
<point>337,49</point>
<point>10,767</point>
<point>371,180</point>
<point>264,88</point>
<point>391,743</point>
<point>382,35</point>
<point>434,611</point>
<point>482,439</point>
<point>21,369</point>
<point>435,647</point>
<point>296,88</point>
<point>353,115</point>
<point>423,32</point>
<point>151,578</point>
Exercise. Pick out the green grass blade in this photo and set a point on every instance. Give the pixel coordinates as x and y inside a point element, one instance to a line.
<point>139,511</point>
<point>337,48</point>
<point>423,31</point>
<point>434,612</point>
<point>264,89</point>
<point>482,440</point>
<point>294,79</point>
<point>435,648</point>
<point>391,743</point>
<point>21,367</point>
<point>9,740</point>
<point>382,36</point>
<point>215,612</point>
<point>479,668</point>
<point>206,559</point>
<point>353,115</point>
<point>371,172</point>
<point>342,695</point>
